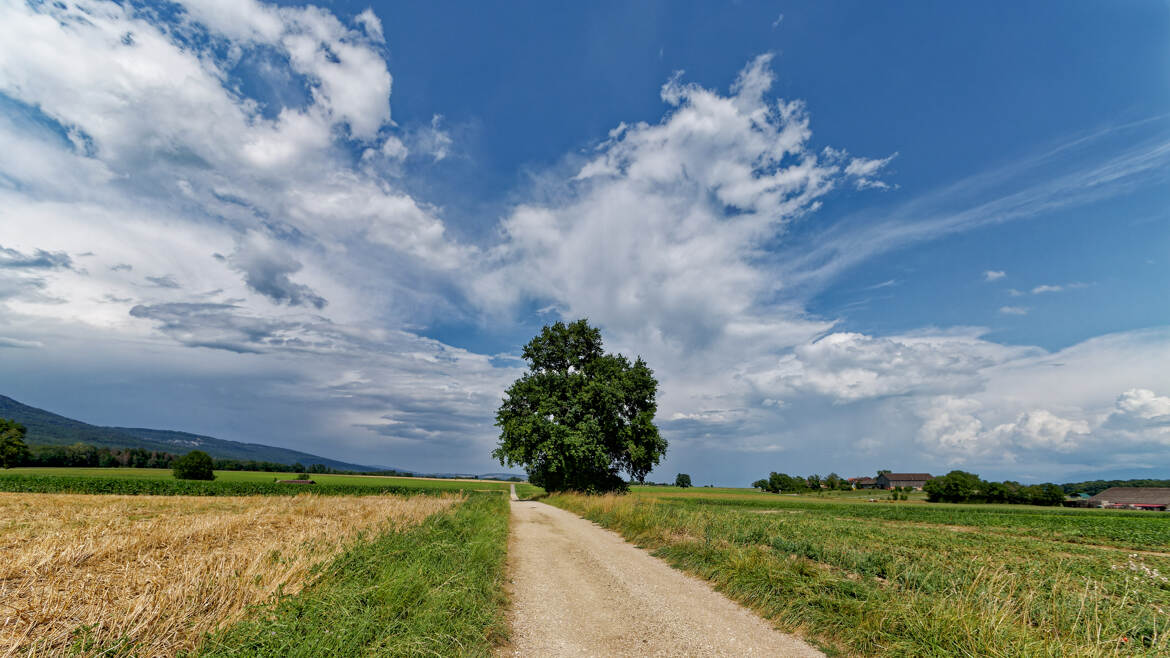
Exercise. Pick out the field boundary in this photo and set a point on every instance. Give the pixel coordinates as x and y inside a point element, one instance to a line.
<point>436,589</point>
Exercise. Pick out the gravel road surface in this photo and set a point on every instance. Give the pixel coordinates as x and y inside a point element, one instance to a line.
<point>580,590</point>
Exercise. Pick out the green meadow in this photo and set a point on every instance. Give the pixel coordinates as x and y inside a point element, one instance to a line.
<point>910,578</point>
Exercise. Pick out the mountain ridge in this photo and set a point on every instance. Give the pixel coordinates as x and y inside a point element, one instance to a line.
<point>48,428</point>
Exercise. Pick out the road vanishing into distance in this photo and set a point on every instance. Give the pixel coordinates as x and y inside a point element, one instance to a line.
<point>580,590</point>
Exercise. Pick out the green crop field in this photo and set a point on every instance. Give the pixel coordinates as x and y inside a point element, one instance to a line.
<point>911,578</point>
<point>266,477</point>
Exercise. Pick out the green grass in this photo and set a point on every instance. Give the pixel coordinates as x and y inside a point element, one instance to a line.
<point>24,483</point>
<point>1120,528</point>
<point>267,477</point>
<point>435,590</point>
<point>911,579</point>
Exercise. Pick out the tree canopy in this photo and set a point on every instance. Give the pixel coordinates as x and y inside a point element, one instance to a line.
<point>195,465</point>
<point>13,451</point>
<point>579,417</point>
<point>682,480</point>
<point>964,487</point>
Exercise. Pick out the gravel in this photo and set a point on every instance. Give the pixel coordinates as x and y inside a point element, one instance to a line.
<point>580,590</point>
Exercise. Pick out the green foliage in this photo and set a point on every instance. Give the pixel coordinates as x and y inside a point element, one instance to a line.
<point>784,483</point>
<point>579,416</point>
<point>195,465</point>
<point>13,451</point>
<point>1094,487</point>
<point>963,487</point>
<point>682,480</point>
<point>434,590</point>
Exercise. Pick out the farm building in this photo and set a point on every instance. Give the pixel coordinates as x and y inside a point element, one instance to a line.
<point>1145,498</point>
<point>912,480</point>
<point>863,483</point>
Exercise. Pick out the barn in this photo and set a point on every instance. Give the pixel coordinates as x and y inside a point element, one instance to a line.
<point>912,480</point>
<point>1145,498</point>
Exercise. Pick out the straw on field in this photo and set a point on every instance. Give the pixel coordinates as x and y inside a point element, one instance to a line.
<point>90,573</point>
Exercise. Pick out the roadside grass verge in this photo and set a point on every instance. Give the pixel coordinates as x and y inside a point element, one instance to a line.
<point>865,586</point>
<point>149,576</point>
<point>434,590</point>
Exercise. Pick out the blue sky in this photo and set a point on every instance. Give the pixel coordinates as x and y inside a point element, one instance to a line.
<point>847,236</point>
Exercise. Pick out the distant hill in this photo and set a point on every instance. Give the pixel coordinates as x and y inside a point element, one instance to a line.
<point>47,428</point>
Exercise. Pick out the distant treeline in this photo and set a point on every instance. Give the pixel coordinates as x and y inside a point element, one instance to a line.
<point>1094,487</point>
<point>784,483</point>
<point>964,487</point>
<point>84,455</point>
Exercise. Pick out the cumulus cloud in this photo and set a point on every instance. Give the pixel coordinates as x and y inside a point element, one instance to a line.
<point>1144,403</point>
<point>1046,288</point>
<point>1014,310</point>
<point>852,366</point>
<point>993,275</point>
<point>167,163</point>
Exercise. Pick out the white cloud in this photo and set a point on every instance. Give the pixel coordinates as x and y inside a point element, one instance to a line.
<point>1041,429</point>
<point>1014,310</point>
<point>1046,288</point>
<point>433,140</point>
<point>864,170</point>
<point>994,275</point>
<point>217,220</point>
<point>1144,403</point>
<point>851,366</point>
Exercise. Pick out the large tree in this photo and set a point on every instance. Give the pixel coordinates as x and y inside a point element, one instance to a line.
<point>13,451</point>
<point>579,417</point>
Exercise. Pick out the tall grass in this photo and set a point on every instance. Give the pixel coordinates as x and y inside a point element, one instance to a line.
<point>869,586</point>
<point>435,590</point>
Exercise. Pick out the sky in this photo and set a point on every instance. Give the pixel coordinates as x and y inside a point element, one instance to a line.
<point>846,236</point>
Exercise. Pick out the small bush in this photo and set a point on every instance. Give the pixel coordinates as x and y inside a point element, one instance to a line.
<point>195,465</point>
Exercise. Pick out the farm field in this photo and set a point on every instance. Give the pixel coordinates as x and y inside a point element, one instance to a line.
<point>92,574</point>
<point>264,477</point>
<point>1117,528</point>
<point>913,579</point>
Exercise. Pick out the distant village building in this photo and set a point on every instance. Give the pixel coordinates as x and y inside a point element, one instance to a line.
<point>912,480</point>
<point>1144,498</point>
<point>864,483</point>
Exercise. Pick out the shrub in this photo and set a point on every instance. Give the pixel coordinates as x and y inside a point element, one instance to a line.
<point>13,451</point>
<point>195,465</point>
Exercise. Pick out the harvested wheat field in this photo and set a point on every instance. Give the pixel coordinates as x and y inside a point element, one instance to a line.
<point>83,573</point>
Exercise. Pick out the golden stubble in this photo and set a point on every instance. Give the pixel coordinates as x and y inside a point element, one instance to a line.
<point>83,573</point>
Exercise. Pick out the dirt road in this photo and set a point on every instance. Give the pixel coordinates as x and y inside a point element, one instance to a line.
<point>580,590</point>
